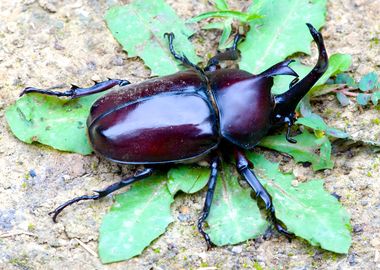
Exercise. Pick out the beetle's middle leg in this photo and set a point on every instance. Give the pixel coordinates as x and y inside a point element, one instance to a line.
<point>102,193</point>
<point>75,91</point>
<point>230,54</point>
<point>185,61</point>
<point>210,194</point>
<point>242,164</point>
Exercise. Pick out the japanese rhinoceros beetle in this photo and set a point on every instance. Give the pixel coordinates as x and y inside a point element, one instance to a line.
<point>189,115</point>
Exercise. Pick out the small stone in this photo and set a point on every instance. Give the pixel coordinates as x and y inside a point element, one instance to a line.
<point>375,242</point>
<point>352,259</point>
<point>7,219</point>
<point>91,65</point>
<point>96,78</point>
<point>237,249</point>
<point>48,5</point>
<point>184,210</point>
<point>117,60</point>
<point>58,46</point>
<point>295,183</point>
<point>336,195</point>
<point>66,178</point>
<point>12,27</point>
<point>301,268</point>
<point>268,234</point>
<point>358,228</point>
<point>183,218</point>
<point>32,173</point>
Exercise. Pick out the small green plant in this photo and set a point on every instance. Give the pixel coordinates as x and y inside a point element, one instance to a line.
<point>229,18</point>
<point>366,90</point>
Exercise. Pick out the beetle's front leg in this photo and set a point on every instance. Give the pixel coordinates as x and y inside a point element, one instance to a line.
<point>102,193</point>
<point>75,91</point>
<point>242,164</point>
<point>210,194</point>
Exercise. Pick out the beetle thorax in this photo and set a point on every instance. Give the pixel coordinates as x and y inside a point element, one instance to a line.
<point>245,105</point>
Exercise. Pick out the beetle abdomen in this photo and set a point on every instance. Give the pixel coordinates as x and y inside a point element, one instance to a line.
<point>181,81</point>
<point>160,129</point>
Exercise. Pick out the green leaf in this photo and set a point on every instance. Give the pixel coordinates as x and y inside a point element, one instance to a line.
<point>305,107</point>
<point>363,99</point>
<point>313,121</point>
<point>226,34</point>
<point>308,148</point>
<point>337,133</point>
<point>368,81</point>
<point>214,25</point>
<point>343,99</point>
<point>59,123</point>
<point>138,217</point>
<point>187,179</point>
<point>221,4</point>
<point>241,16</point>
<point>316,122</point>
<point>375,97</point>
<point>346,79</point>
<point>337,63</point>
<point>306,209</point>
<point>280,33</point>
<point>140,26</point>
<point>234,215</point>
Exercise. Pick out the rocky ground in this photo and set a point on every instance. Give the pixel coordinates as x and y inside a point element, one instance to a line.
<point>50,42</point>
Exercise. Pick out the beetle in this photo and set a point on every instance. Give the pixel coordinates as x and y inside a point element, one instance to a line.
<point>192,115</point>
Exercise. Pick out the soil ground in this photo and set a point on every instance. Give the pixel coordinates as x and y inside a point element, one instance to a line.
<point>50,42</point>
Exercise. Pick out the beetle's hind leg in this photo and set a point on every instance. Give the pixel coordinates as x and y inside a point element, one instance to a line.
<point>102,193</point>
<point>231,53</point>
<point>75,91</point>
<point>210,194</point>
<point>242,164</point>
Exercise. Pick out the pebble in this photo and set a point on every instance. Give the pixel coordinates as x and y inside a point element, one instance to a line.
<point>375,242</point>
<point>183,217</point>
<point>7,218</point>
<point>117,60</point>
<point>352,259</point>
<point>295,183</point>
<point>12,27</point>
<point>358,228</point>
<point>237,249</point>
<point>32,173</point>
<point>336,195</point>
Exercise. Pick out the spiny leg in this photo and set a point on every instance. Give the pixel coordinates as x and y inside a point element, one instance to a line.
<point>76,91</point>
<point>102,193</point>
<point>210,193</point>
<point>230,54</point>
<point>242,165</point>
<point>182,58</point>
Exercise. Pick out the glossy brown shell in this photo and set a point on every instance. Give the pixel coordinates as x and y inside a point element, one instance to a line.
<point>245,105</point>
<point>168,119</point>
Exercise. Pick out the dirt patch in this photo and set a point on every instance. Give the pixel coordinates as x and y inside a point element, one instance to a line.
<point>47,42</point>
